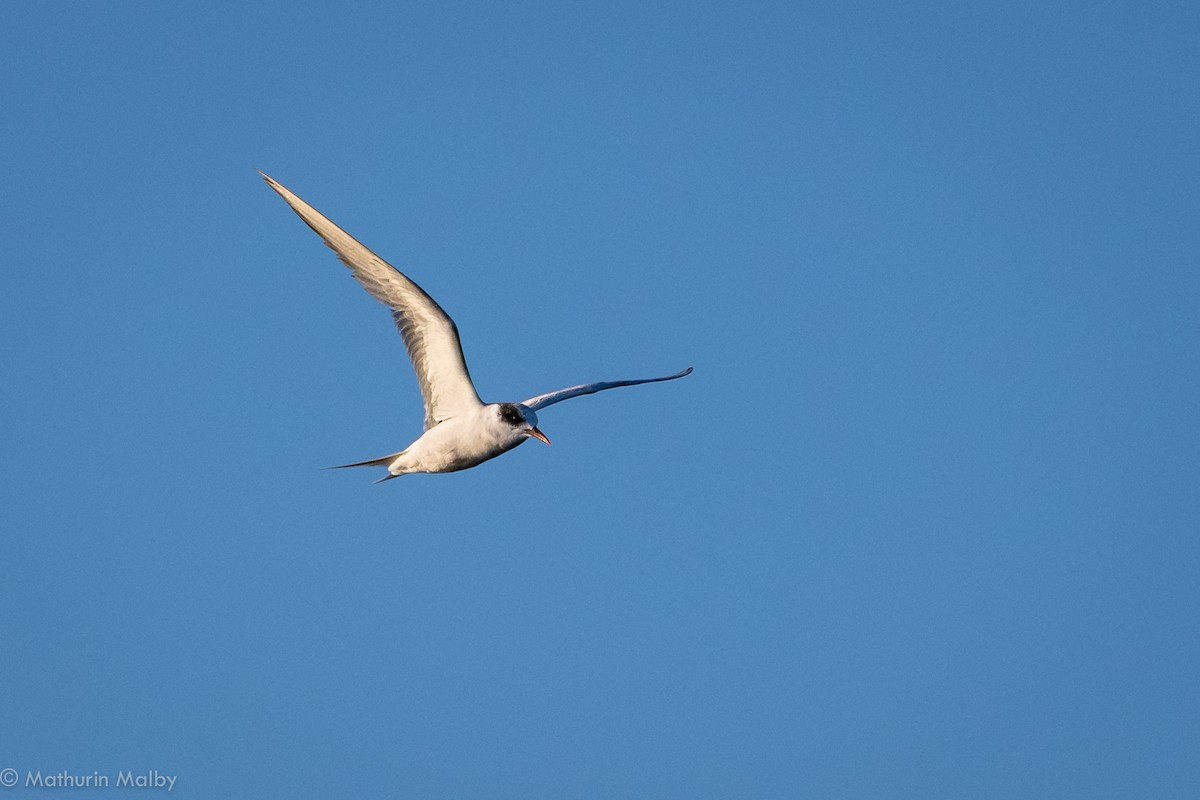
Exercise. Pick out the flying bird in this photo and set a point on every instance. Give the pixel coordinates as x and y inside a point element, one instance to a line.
<point>461,431</point>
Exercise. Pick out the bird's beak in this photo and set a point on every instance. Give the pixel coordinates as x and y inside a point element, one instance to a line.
<point>541,437</point>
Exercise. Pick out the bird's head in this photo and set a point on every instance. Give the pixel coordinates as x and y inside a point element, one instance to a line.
<point>521,419</point>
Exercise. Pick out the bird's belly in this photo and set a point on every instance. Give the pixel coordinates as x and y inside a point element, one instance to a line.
<point>452,456</point>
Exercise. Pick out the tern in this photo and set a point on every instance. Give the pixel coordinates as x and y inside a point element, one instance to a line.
<point>461,431</point>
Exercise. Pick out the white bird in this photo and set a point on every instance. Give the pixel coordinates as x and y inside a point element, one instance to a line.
<point>460,430</point>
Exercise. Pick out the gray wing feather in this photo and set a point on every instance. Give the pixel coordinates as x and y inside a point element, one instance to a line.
<point>550,398</point>
<point>429,335</point>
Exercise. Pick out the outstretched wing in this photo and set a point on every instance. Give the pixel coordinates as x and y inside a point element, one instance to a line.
<point>549,399</point>
<point>429,334</point>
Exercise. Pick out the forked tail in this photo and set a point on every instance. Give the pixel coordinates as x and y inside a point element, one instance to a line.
<point>375,462</point>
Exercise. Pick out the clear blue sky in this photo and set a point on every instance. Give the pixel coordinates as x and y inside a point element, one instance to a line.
<point>923,523</point>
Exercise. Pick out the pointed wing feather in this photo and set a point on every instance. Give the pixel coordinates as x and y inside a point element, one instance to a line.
<point>550,398</point>
<point>429,334</point>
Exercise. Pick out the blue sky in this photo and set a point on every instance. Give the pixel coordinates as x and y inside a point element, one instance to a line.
<point>923,523</point>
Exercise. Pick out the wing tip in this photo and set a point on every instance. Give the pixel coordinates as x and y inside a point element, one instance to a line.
<point>274,184</point>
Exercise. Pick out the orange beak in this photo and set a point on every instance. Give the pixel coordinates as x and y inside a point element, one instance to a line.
<point>541,437</point>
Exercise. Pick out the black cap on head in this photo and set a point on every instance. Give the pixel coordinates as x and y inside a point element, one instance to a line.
<point>511,414</point>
